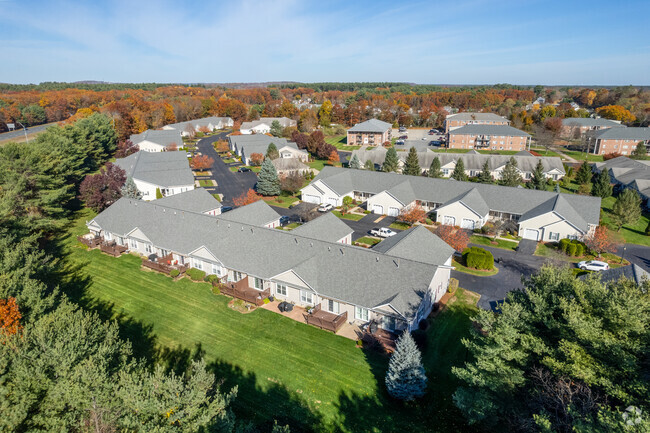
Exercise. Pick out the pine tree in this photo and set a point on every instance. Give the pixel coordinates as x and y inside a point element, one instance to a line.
<point>369,165</point>
<point>459,171</point>
<point>486,175</point>
<point>412,166</point>
<point>405,378</point>
<point>158,193</point>
<point>583,176</point>
<point>272,152</point>
<point>391,163</point>
<point>641,150</point>
<point>354,162</point>
<point>268,182</point>
<point>538,181</point>
<point>434,170</point>
<point>627,208</point>
<point>276,129</point>
<point>510,175</point>
<point>602,187</point>
<point>130,190</point>
<point>557,188</point>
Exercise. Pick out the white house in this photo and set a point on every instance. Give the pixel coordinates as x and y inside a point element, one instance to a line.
<point>263,125</point>
<point>246,145</point>
<point>157,140</point>
<point>210,123</point>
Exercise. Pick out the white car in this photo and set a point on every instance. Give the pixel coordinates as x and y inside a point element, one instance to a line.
<point>383,232</point>
<point>593,265</point>
<point>325,207</point>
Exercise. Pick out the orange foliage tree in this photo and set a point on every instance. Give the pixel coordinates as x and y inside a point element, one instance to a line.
<point>456,237</point>
<point>334,157</point>
<point>204,129</point>
<point>601,241</point>
<point>616,112</point>
<point>256,159</point>
<point>202,162</point>
<point>9,316</point>
<point>221,146</point>
<point>412,214</point>
<point>248,197</point>
<point>173,147</point>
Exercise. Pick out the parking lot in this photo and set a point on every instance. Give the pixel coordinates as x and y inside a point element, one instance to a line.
<point>417,134</point>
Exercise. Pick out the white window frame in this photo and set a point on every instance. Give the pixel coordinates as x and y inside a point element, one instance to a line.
<point>216,269</point>
<point>280,289</point>
<point>198,264</point>
<point>236,275</point>
<point>306,297</point>
<point>361,313</point>
<point>133,244</point>
<point>148,248</point>
<point>554,236</point>
<point>333,306</point>
<point>258,283</point>
<point>108,236</point>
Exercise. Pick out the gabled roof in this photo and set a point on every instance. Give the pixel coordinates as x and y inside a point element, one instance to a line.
<point>289,164</point>
<point>324,228</point>
<point>473,200</point>
<point>499,130</point>
<point>196,200</point>
<point>475,161</point>
<point>162,137</point>
<point>268,121</point>
<point>590,122</point>
<point>164,169</point>
<point>417,244</point>
<point>402,192</point>
<point>259,143</point>
<point>639,134</point>
<point>627,171</point>
<point>372,125</point>
<point>561,206</point>
<point>258,214</point>
<point>468,116</point>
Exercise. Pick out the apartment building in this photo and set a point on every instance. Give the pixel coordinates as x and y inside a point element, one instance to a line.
<point>455,121</point>
<point>617,140</point>
<point>372,132</point>
<point>489,137</point>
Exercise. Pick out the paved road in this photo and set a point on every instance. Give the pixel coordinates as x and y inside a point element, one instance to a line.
<point>637,254</point>
<point>229,184</point>
<point>19,133</point>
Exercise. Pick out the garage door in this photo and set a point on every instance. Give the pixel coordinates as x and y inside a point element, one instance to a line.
<point>531,234</point>
<point>331,201</point>
<point>467,224</point>
<point>449,220</point>
<point>377,208</point>
<point>393,211</point>
<point>311,198</point>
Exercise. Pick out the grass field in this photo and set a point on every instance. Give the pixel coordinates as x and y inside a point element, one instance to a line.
<point>281,201</point>
<point>348,216</point>
<point>284,369</point>
<point>399,226</point>
<point>205,182</point>
<point>340,142</point>
<point>544,152</point>
<point>581,156</point>
<point>500,243</point>
<point>632,233</point>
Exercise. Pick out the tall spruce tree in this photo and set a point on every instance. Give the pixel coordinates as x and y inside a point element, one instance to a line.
<point>602,185</point>
<point>130,189</point>
<point>405,378</point>
<point>510,175</point>
<point>583,176</point>
<point>391,162</point>
<point>459,171</point>
<point>412,165</point>
<point>276,129</point>
<point>538,180</point>
<point>354,162</point>
<point>268,182</point>
<point>485,176</point>
<point>627,208</point>
<point>640,151</point>
<point>272,151</point>
<point>369,165</point>
<point>434,170</point>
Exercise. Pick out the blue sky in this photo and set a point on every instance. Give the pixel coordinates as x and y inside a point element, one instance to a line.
<point>442,42</point>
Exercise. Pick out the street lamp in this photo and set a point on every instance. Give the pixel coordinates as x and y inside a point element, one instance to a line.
<point>24,130</point>
<point>623,256</point>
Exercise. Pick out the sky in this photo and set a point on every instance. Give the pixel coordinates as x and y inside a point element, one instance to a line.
<point>429,42</point>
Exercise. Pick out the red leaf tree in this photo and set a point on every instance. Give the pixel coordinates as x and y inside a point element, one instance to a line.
<point>412,214</point>
<point>9,316</point>
<point>221,146</point>
<point>202,162</point>
<point>173,147</point>
<point>248,197</point>
<point>256,159</point>
<point>101,190</point>
<point>456,238</point>
<point>333,157</point>
<point>126,148</point>
<point>601,241</point>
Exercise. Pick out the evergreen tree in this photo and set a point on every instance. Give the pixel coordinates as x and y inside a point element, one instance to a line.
<point>272,152</point>
<point>557,188</point>
<point>405,378</point>
<point>583,176</point>
<point>412,165</point>
<point>459,171</point>
<point>538,181</point>
<point>391,162</point>
<point>268,182</point>
<point>627,208</point>
<point>130,190</point>
<point>510,175</point>
<point>354,162</point>
<point>434,170</point>
<point>369,165</point>
<point>276,129</point>
<point>158,193</point>
<point>641,150</point>
<point>602,187</point>
<point>486,175</point>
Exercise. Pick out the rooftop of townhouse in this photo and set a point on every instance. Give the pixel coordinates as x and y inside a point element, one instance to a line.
<point>469,116</point>
<point>163,137</point>
<point>372,125</point>
<point>165,169</point>
<point>197,200</point>
<point>590,122</point>
<point>626,170</point>
<point>324,228</point>
<point>640,134</point>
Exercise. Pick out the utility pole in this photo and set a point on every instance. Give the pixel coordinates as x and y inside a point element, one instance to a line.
<point>24,130</point>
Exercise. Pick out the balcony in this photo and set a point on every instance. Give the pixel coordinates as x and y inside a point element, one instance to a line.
<point>112,248</point>
<point>242,290</point>
<point>374,336</point>
<point>324,319</point>
<point>164,264</point>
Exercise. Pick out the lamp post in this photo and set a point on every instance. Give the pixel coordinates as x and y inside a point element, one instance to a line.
<point>623,255</point>
<point>24,130</point>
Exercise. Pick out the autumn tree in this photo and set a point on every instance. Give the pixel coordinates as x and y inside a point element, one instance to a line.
<point>292,182</point>
<point>202,162</point>
<point>325,150</point>
<point>173,147</point>
<point>412,214</point>
<point>325,113</point>
<point>455,237</point>
<point>626,209</point>
<point>247,197</point>
<point>126,148</point>
<point>315,141</point>
<point>600,241</point>
<point>190,130</point>
<point>99,191</point>
<point>256,159</point>
<point>308,121</point>
<point>333,157</point>
<point>616,112</point>
<point>221,146</point>
<point>9,317</point>
<point>412,164</point>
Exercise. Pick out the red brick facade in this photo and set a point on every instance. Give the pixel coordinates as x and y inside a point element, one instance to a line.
<point>605,146</point>
<point>494,142</point>
<point>368,138</point>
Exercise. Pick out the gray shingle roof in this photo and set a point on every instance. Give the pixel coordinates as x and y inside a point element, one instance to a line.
<point>629,172</point>
<point>165,169</point>
<point>327,228</point>
<point>468,116</point>
<point>289,164</point>
<point>475,161</point>
<point>561,206</point>
<point>498,198</point>
<point>590,122</point>
<point>473,200</point>
<point>159,136</point>
<point>632,272</point>
<point>258,143</point>
<point>351,274</point>
<point>372,125</point>
<point>639,134</point>
<point>284,122</point>
<point>196,200</point>
<point>258,214</point>
<point>417,244</point>
<point>499,130</point>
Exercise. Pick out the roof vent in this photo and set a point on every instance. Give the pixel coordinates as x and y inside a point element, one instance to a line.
<point>329,248</point>
<point>174,212</point>
<point>295,239</point>
<point>251,229</point>
<point>341,249</point>
<point>242,228</point>
<point>311,244</point>
<point>396,262</point>
<point>377,258</point>
<point>228,225</point>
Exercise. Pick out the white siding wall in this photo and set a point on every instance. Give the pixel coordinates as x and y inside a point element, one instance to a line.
<point>549,223</point>
<point>149,146</point>
<point>459,211</point>
<point>385,200</point>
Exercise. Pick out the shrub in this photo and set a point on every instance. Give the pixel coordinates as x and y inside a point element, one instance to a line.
<point>478,258</point>
<point>453,285</point>
<point>174,273</point>
<point>216,289</point>
<point>211,278</point>
<point>266,300</point>
<point>195,274</point>
<point>428,221</point>
<point>571,249</point>
<point>580,249</point>
<point>564,243</point>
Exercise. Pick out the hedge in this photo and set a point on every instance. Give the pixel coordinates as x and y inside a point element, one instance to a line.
<point>174,273</point>
<point>572,247</point>
<point>195,274</point>
<point>211,278</point>
<point>478,258</point>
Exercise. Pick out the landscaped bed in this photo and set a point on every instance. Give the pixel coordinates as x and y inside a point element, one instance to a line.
<point>551,251</point>
<point>348,216</point>
<point>367,240</point>
<point>206,182</point>
<point>281,201</point>
<point>478,272</point>
<point>399,226</point>
<point>490,242</point>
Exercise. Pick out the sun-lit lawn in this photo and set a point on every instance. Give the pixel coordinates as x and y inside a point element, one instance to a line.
<point>340,142</point>
<point>206,182</point>
<point>254,168</point>
<point>400,226</point>
<point>544,152</point>
<point>281,200</point>
<point>581,156</point>
<point>499,243</point>
<point>631,233</point>
<point>368,240</point>
<point>285,370</point>
<point>348,216</point>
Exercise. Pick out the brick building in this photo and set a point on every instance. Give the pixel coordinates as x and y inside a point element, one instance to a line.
<point>489,137</point>
<point>578,126</point>
<point>372,132</point>
<point>455,121</point>
<point>617,140</point>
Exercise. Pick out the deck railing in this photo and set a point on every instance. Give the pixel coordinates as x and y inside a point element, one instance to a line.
<point>90,242</point>
<point>241,290</point>
<point>325,320</point>
<point>163,267</point>
<point>112,248</point>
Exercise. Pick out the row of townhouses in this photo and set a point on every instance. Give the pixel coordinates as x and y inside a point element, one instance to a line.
<point>455,121</point>
<point>263,125</point>
<point>205,124</point>
<point>539,215</point>
<point>170,137</point>
<point>313,266</point>
<point>628,173</point>
<point>291,159</point>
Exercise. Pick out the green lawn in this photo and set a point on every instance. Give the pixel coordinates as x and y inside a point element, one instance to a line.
<point>549,250</point>
<point>254,168</point>
<point>368,240</point>
<point>348,216</point>
<point>399,226</point>
<point>545,152</point>
<point>318,164</point>
<point>575,154</point>
<point>284,369</point>
<point>632,233</point>
<point>281,201</point>
<point>205,182</point>
<point>500,243</point>
<point>462,268</point>
<point>340,142</point>
<point>499,152</point>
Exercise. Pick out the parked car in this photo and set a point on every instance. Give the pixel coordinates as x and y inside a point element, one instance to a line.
<point>383,232</point>
<point>325,207</point>
<point>225,209</point>
<point>593,265</point>
<point>189,155</point>
<point>399,142</point>
<point>402,129</point>
<point>243,169</point>
<point>433,132</point>
<point>288,219</point>
<point>404,137</point>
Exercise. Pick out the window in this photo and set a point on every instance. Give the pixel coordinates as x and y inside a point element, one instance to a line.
<point>236,275</point>
<point>361,313</point>
<point>148,248</point>
<point>280,289</point>
<point>198,264</point>
<point>133,243</point>
<point>108,236</point>
<point>306,297</point>
<point>333,306</point>
<point>216,269</point>
<point>258,284</point>
<point>554,236</point>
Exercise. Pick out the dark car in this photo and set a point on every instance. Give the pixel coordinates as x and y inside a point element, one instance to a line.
<point>288,219</point>
<point>243,169</point>
<point>404,137</point>
<point>225,209</point>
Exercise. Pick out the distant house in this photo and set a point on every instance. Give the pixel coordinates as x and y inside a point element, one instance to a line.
<point>578,126</point>
<point>263,125</point>
<point>372,132</point>
<point>455,121</point>
<point>157,140</point>
<point>327,228</point>
<point>246,145</point>
<point>289,166</point>
<point>628,173</point>
<point>494,137</point>
<point>207,123</point>
<point>617,140</point>
<point>168,171</point>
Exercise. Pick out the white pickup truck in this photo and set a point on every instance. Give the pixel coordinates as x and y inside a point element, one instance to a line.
<point>383,232</point>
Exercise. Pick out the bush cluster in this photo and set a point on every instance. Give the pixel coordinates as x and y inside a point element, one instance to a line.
<point>174,273</point>
<point>211,278</point>
<point>478,258</point>
<point>195,274</point>
<point>572,247</point>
